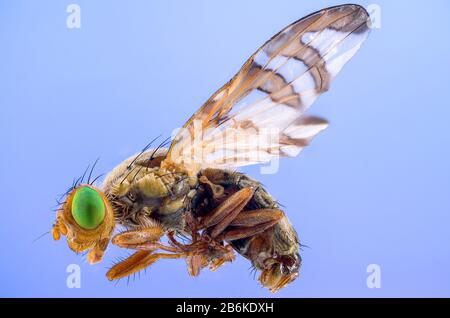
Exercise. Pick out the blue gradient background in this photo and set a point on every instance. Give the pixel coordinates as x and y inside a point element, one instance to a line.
<point>373,188</point>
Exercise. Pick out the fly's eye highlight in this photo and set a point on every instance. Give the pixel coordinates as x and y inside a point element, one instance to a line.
<point>88,208</point>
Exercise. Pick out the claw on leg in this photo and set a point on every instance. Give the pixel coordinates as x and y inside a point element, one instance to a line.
<point>195,263</point>
<point>227,257</point>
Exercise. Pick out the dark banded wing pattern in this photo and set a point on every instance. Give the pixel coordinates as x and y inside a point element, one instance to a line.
<point>259,114</point>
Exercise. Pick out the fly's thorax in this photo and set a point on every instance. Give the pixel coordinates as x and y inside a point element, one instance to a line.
<point>141,193</point>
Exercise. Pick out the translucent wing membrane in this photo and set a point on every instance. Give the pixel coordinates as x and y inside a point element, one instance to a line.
<point>259,114</point>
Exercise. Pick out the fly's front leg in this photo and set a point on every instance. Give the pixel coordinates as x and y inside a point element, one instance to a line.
<point>95,255</point>
<point>146,241</point>
<point>137,262</point>
<point>139,239</point>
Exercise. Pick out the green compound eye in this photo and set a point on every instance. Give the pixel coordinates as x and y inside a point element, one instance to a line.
<point>88,208</point>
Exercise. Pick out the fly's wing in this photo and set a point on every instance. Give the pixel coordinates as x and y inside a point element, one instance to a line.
<point>258,115</point>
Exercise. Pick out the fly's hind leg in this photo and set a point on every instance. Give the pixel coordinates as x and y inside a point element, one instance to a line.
<point>246,224</point>
<point>250,223</point>
<point>226,212</point>
<point>229,222</point>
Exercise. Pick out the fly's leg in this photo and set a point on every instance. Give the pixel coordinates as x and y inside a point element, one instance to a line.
<point>139,239</point>
<point>230,213</point>
<point>195,263</point>
<point>257,217</point>
<point>203,252</point>
<point>215,223</point>
<point>245,224</point>
<point>95,255</point>
<point>146,241</point>
<point>229,221</point>
<point>226,212</point>
<point>250,223</point>
<point>274,250</point>
<point>197,260</point>
<point>137,262</point>
<point>226,222</point>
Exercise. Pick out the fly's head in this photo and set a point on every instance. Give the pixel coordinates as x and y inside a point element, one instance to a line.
<point>86,218</point>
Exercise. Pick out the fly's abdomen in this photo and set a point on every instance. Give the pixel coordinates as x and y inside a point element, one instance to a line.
<point>276,250</point>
